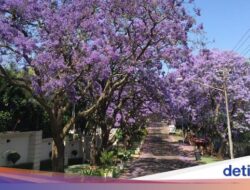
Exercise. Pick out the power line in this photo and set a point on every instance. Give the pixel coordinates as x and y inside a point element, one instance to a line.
<point>242,40</point>
<point>245,49</point>
<point>248,50</point>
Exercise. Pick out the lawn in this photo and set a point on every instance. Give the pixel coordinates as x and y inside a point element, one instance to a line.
<point>208,159</point>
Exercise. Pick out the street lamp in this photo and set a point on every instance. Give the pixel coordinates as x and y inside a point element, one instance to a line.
<point>223,89</point>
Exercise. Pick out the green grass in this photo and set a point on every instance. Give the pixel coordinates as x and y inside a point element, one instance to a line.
<point>208,159</point>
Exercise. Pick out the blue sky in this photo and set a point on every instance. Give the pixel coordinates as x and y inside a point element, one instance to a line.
<point>225,22</point>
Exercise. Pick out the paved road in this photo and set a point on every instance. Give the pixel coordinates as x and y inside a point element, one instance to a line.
<point>160,153</point>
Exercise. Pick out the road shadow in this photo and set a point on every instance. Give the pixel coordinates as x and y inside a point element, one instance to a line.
<point>156,146</point>
<point>148,166</point>
<point>160,153</point>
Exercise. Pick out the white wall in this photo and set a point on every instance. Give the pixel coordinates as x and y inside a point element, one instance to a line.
<point>34,149</point>
<point>46,147</point>
<point>15,141</point>
<point>23,143</point>
<point>74,145</point>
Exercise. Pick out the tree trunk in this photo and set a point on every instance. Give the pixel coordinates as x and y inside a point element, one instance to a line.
<point>105,137</point>
<point>58,154</point>
<point>82,147</point>
<point>93,149</point>
<point>126,141</point>
<point>222,149</point>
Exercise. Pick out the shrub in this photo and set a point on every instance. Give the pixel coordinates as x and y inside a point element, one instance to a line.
<point>87,170</point>
<point>119,134</point>
<point>90,171</point>
<point>124,154</point>
<point>107,158</point>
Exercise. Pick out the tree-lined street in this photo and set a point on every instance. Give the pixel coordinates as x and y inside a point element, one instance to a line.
<point>78,69</point>
<point>160,152</point>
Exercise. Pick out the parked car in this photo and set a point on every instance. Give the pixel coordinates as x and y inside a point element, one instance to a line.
<point>171,129</point>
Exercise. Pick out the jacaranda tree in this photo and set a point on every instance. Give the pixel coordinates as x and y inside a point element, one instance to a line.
<point>75,50</point>
<point>195,93</point>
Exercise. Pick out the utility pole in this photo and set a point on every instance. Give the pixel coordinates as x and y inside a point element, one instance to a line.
<point>223,89</point>
<point>230,140</point>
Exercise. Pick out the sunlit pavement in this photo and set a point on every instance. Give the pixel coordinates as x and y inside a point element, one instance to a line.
<point>161,152</point>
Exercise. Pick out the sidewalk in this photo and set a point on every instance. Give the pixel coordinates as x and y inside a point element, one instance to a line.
<point>160,153</point>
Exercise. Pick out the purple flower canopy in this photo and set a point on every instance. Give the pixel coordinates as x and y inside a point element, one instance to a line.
<point>65,45</point>
<point>70,49</point>
<point>193,88</point>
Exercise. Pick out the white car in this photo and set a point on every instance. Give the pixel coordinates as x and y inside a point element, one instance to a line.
<point>171,129</point>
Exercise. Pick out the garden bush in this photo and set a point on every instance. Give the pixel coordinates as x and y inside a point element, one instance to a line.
<point>107,158</point>
<point>87,170</point>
